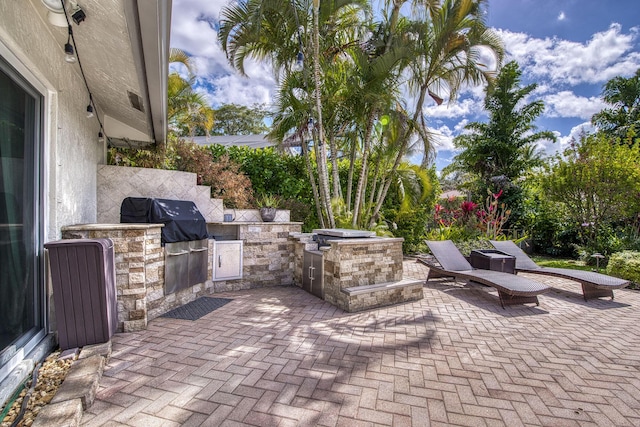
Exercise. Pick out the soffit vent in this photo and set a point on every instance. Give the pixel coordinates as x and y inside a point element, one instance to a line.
<point>136,101</point>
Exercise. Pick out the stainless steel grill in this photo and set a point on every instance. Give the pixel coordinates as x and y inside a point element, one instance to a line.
<point>324,235</point>
<point>185,264</point>
<point>184,237</point>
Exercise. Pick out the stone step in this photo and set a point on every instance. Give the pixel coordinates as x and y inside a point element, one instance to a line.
<point>381,287</point>
<point>78,390</point>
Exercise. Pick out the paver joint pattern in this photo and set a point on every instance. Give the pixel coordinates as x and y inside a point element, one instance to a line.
<point>280,357</point>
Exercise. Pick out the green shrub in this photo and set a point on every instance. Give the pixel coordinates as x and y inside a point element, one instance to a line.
<point>626,265</point>
<point>466,246</point>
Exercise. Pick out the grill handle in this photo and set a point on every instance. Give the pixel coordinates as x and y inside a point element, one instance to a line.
<point>198,250</point>
<point>177,253</point>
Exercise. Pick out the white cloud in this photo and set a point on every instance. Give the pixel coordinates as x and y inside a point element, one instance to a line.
<point>607,54</point>
<point>564,141</point>
<point>562,16</point>
<point>466,107</point>
<point>568,104</point>
<point>443,138</point>
<point>193,29</point>
<point>236,89</point>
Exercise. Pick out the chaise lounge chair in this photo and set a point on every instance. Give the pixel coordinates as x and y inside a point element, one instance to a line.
<point>512,289</point>
<point>594,285</point>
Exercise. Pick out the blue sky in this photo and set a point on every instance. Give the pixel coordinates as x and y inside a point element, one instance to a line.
<point>570,48</point>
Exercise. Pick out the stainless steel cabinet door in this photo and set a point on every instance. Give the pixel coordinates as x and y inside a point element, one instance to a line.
<point>312,272</point>
<point>227,260</point>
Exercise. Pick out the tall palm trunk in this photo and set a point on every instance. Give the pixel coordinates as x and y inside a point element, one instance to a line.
<point>337,191</point>
<point>312,179</point>
<point>403,147</point>
<point>374,185</point>
<point>352,162</point>
<point>363,172</point>
<point>323,174</point>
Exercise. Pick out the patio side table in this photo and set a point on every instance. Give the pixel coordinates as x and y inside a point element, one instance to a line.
<point>491,259</point>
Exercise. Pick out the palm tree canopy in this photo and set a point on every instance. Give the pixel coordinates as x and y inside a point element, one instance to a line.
<point>623,116</point>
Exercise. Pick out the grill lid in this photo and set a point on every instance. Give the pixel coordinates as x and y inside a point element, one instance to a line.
<point>181,218</point>
<point>344,233</point>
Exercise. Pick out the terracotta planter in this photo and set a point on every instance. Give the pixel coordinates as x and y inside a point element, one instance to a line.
<point>268,214</point>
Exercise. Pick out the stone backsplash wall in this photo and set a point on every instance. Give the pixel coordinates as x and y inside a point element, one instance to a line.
<point>117,182</point>
<point>268,258</point>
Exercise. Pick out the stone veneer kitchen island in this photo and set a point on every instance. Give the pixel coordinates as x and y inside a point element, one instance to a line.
<point>360,273</point>
<point>268,260</point>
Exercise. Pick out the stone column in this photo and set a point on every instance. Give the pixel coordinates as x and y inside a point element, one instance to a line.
<point>139,261</point>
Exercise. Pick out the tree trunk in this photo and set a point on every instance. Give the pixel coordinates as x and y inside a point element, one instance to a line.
<point>352,162</point>
<point>337,191</point>
<point>360,190</point>
<point>312,180</point>
<point>373,189</point>
<point>403,147</point>
<point>323,174</point>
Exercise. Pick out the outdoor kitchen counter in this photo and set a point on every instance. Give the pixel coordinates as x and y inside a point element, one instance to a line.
<point>359,241</point>
<point>139,262</point>
<point>267,253</point>
<point>251,231</point>
<point>256,223</point>
<point>98,227</point>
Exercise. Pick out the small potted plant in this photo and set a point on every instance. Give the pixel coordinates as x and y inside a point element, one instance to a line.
<point>268,204</point>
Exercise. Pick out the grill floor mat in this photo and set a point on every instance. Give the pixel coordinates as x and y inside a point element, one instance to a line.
<point>197,308</point>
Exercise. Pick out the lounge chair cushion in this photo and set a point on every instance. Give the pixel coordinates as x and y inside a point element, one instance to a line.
<point>449,256</point>
<point>510,284</point>
<point>454,263</point>
<point>526,264</point>
<point>523,262</point>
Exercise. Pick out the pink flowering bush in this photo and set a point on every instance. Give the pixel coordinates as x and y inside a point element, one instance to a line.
<point>494,216</point>
<point>456,220</point>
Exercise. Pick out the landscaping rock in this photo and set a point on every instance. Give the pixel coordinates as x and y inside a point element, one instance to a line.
<point>63,414</point>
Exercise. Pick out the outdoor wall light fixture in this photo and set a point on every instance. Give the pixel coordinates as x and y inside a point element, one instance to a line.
<point>100,137</point>
<point>89,111</point>
<point>55,15</point>
<point>69,53</point>
<point>77,13</point>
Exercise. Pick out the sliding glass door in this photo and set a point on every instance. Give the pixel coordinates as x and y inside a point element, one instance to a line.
<point>21,282</point>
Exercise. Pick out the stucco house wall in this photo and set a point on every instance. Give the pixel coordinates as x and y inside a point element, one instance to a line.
<point>71,150</point>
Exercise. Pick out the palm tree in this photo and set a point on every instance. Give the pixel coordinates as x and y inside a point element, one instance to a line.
<point>505,145</point>
<point>357,72</point>
<point>180,56</point>
<point>447,56</point>
<point>275,30</point>
<point>292,114</point>
<point>622,119</point>
<point>373,89</point>
<point>187,109</point>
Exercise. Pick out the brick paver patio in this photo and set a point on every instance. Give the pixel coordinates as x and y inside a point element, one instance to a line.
<point>280,356</point>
